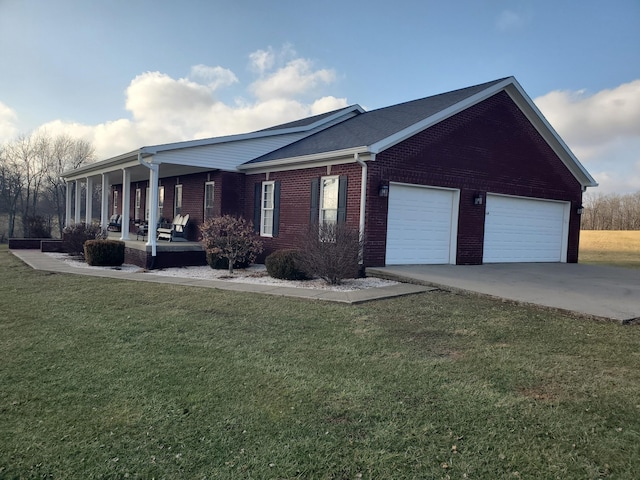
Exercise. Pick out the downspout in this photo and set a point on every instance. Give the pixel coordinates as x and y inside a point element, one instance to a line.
<point>153,215</point>
<point>363,204</point>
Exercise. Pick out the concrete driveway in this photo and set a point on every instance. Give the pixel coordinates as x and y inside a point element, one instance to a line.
<point>606,292</point>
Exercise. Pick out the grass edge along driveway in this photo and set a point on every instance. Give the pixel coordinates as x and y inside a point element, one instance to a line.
<point>104,378</point>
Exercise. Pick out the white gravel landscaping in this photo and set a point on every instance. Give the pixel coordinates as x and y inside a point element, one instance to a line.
<point>253,274</point>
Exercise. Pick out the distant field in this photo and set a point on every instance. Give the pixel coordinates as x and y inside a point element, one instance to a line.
<point>620,248</point>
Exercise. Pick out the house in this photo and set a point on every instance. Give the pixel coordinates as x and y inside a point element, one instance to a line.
<point>471,176</point>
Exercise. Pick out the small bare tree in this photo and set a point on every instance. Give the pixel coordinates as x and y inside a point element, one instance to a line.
<point>232,238</point>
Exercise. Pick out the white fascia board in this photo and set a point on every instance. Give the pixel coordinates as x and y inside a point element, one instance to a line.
<point>346,155</point>
<point>253,135</point>
<point>537,119</point>
<point>104,166</point>
<point>410,131</point>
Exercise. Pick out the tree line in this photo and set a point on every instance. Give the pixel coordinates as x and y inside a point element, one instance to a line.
<point>32,192</point>
<point>611,212</point>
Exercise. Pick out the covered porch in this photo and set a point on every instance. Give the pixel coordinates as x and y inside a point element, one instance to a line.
<point>131,173</point>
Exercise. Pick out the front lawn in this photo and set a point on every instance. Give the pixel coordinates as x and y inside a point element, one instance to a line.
<point>102,378</point>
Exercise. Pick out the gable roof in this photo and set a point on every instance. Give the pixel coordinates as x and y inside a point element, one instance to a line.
<point>373,126</point>
<point>377,130</point>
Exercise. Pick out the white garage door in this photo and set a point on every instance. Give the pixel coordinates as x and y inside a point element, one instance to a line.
<point>421,225</point>
<point>525,230</point>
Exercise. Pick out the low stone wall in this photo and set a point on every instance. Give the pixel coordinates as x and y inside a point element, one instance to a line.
<point>51,246</point>
<point>164,259</point>
<point>26,243</point>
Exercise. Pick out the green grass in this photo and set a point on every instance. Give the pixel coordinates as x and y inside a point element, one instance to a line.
<point>101,378</point>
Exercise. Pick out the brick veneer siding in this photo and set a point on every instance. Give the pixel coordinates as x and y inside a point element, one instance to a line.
<point>228,197</point>
<point>490,147</point>
<point>295,201</point>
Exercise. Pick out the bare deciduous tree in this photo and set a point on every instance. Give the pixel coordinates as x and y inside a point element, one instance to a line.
<point>30,169</point>
<point>611,212</point>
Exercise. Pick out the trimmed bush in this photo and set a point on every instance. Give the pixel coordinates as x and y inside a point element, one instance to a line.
<point>285,264</point>
<point>104,253</point>
<point>74,236</point>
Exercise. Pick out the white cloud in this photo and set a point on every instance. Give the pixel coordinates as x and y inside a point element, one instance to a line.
<point>215,77</point>
<point>165,109</point>
<point>262,60</point>
<point>603,130</point>
<point>8,119</point>
<point>295,78</point>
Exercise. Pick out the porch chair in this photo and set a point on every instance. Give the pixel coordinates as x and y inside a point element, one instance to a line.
<point>177,230</point>
<point>115,223</point>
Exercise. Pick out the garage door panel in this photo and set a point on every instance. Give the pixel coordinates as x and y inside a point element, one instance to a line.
<point>419,225</point>
<point>524,230</point>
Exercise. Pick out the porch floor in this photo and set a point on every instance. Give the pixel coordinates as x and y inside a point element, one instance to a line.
<point>161,245</point>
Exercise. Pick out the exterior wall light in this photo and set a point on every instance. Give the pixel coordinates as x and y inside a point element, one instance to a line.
<point>580,210</point>
<point>383,190</point>
<point>477,199</point>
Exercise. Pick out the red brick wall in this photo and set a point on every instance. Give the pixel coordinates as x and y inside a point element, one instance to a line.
<point>295,201</point>
<point>192,196</point>
<point>490,147</point>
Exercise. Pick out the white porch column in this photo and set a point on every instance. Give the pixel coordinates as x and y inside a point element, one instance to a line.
<point>104,211</point>
<point>67,205</point>
<point>88,215</point>
<point>76,215</point>
<point>153,206</point>
<point>126,202</point>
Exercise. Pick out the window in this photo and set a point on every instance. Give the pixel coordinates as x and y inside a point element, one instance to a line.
<point>208,199</point>
<point>177,201</point>
<point>115,202</point>
<point>138,202</point>
<point>160,201</point>
<point>267,205</point>
<point>147,199</point>
<point>329,199</point>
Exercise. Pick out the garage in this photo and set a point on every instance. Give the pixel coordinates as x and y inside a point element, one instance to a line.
<point>421,225</point>
<point>519,229</point>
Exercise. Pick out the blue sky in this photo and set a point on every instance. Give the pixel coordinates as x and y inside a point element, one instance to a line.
<point>129,73</point>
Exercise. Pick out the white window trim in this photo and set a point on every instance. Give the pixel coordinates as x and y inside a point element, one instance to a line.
<point>115,202</point>
<point>263,209</point>
<point>321,196</point>
<point>213,192</point>
<point>147,200</point>
<point>160,200</point>
<point>177,197</point>
<point>137,202</point>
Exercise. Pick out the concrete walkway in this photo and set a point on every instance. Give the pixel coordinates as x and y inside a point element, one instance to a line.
<point>593,290</point>
<point>40,261</point>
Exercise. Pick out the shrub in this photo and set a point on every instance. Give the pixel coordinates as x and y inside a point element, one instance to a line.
<point>222,263</point>
<point>331,251</point>
<point>74,236</point>
<point>36,226</point>
<point>285,264</point>
<point>104,253</point>
<point>231,238</point>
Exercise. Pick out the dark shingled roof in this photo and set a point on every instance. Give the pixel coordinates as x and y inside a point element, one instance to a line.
<point>370,127</point>
<point>304,122</point>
